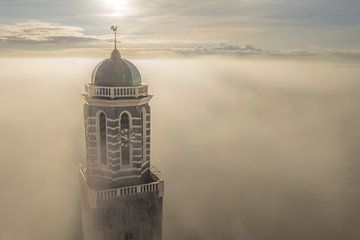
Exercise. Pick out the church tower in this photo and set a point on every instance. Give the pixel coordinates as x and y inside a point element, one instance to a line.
<point>121,193</point>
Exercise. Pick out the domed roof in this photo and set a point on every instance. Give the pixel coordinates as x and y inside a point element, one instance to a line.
<point>116,72</point>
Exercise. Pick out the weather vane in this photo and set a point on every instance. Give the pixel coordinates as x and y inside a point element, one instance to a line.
<point>115,41</point>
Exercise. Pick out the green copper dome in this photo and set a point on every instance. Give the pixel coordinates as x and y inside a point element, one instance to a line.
<point>116,72</point>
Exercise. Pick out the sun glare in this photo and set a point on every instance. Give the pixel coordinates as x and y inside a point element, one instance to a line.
<point>117,7</point>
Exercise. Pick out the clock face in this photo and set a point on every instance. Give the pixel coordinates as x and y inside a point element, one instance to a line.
<point>126,137</point>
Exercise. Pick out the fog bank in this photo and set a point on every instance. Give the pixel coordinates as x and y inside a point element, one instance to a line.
<point>248,149</point>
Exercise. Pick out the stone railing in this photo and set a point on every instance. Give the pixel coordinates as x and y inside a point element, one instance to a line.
<point>133,190</point>
<point>156,186</point>
<point>116,92</point>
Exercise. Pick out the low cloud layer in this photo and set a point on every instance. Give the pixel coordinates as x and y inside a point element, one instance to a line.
<point>35,32</point>
<point>233,50</point>
<point>36,35</point>
<point>249,149</point>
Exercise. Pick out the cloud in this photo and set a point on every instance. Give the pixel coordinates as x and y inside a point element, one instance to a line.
<point>193,49</point>
<point>221,49</point>
<point>36,35</point>
<point>43,32</point>
<point>267,23</point>
<point>256,149</point>
<point>246,50</point>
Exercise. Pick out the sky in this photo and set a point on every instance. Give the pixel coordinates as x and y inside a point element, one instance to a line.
<point>185,28</point>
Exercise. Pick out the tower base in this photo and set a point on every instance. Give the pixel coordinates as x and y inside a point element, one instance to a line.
<point>129,213</point>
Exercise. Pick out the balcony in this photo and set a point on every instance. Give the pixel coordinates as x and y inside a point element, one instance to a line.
<point>116,92</point>
<point>157,185</point>
<point>133,190</point>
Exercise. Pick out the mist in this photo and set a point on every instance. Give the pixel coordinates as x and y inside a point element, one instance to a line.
<point>249,149</point>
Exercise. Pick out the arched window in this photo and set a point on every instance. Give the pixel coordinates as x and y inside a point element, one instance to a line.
<point>102,138</point>
<point>143,134</point>
<point>125,123</point>
<point>125,150</point>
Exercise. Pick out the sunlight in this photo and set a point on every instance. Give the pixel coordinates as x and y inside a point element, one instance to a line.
<point>117,7</point>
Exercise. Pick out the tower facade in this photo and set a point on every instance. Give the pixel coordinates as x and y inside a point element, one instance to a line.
<point>121,193</point>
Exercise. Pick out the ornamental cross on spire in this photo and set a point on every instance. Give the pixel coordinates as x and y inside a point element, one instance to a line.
<point>115,41</point>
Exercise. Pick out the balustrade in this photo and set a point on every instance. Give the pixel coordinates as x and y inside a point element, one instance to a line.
<point>116,92</point>
<point>133,190</point>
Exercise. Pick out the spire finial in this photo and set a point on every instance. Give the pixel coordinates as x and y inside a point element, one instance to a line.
<point>115,41</point>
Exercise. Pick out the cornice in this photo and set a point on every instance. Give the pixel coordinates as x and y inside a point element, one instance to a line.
<point>117,102</point>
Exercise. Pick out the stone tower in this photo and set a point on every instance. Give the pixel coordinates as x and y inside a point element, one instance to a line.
<point>121,193</point>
